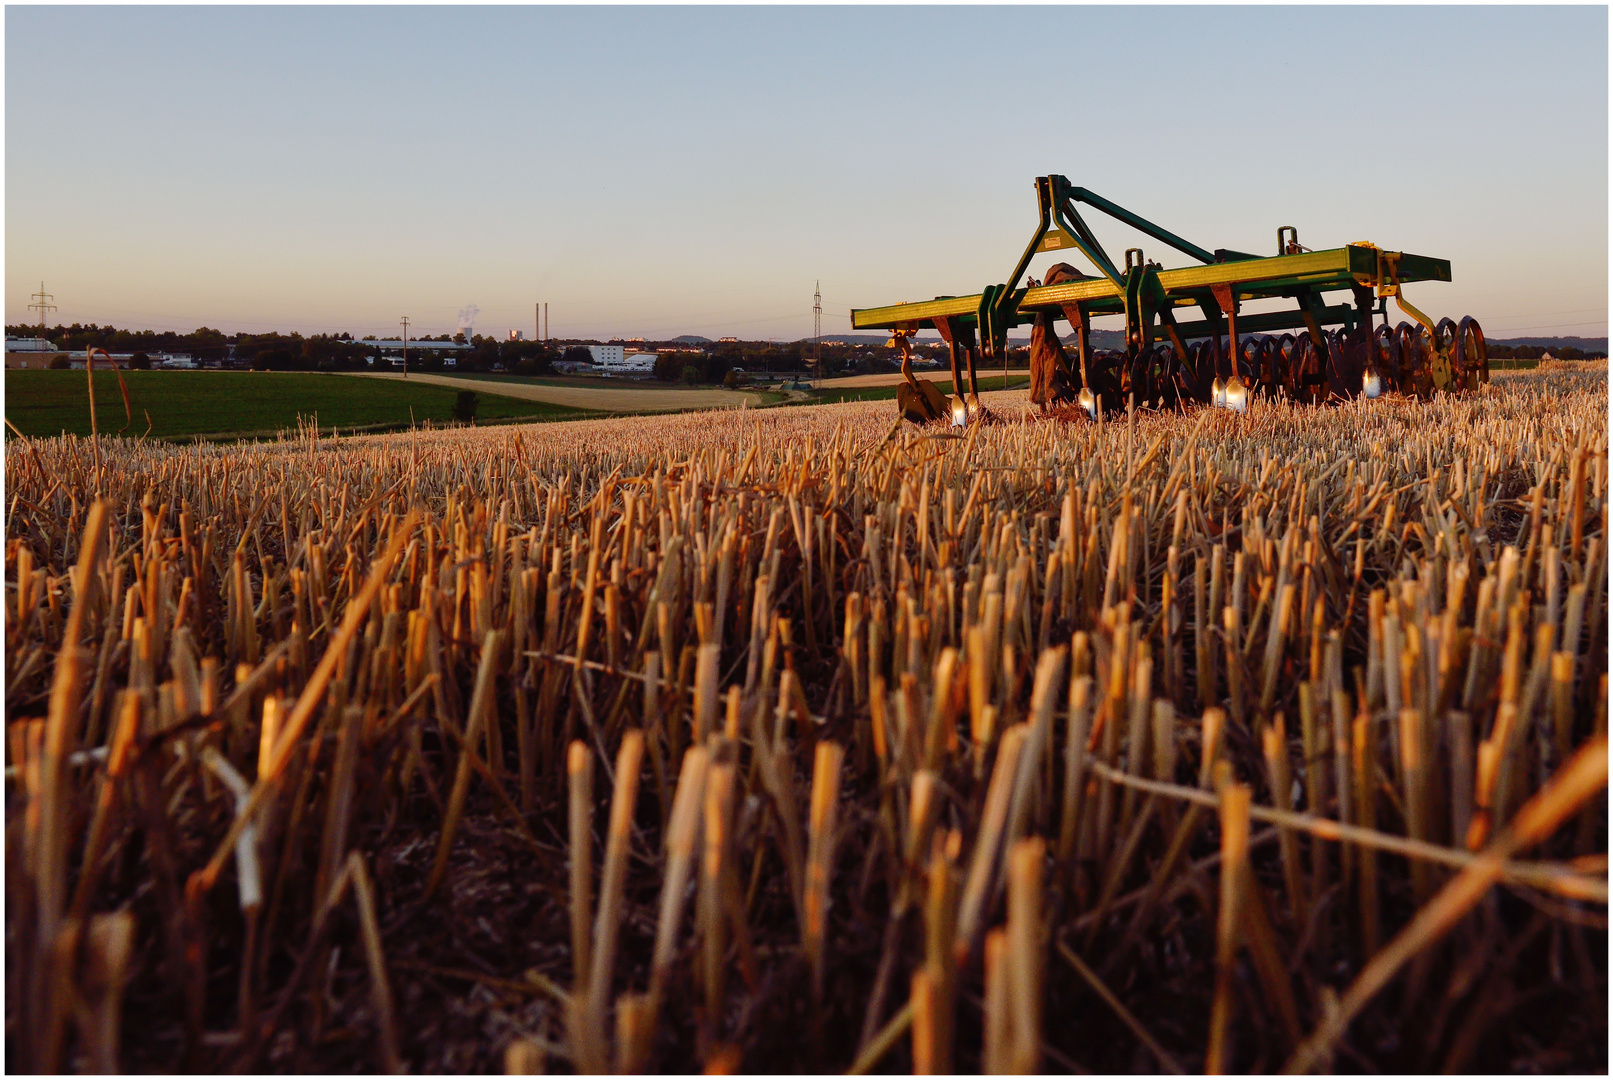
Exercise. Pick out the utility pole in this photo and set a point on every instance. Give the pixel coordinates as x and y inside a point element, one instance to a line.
<point>42,303</point>
<point>406,346</point>
<point>817,330</point>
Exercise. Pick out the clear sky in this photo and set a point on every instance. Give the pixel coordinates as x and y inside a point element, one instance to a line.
<point>659,171</point>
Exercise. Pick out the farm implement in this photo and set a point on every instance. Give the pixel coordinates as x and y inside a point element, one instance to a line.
<point>1186,337</point>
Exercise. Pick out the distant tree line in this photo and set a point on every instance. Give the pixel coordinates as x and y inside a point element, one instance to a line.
<point>294,351</point>
<point>1535,352</point>
<point>709,364</point>
<point>714,362</point>
<point>694,367</point>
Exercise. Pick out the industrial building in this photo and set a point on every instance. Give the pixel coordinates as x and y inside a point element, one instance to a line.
<point>617,360</point>
<point>29,352</point>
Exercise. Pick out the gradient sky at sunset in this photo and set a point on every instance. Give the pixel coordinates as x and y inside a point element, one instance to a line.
<point>660,171</point>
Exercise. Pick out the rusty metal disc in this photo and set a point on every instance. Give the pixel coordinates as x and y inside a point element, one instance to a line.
<point>1350,355</point>
<point>1257,358</point>
<point>1441,365</point>
<point>1308,371</point>
<point>1110,378</point>
<point>1281,349</point>
<point>1162,360</point>
<point>1416,356</point>
<point>1474,353</point>
<point>1388,346</point>
<point>1203,371</point>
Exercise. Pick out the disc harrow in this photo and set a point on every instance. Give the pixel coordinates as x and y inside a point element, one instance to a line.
<point>1315,352</point>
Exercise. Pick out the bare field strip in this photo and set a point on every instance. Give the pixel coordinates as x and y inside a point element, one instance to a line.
<point>799,739</point>
<point>892,378</point>
<point>604,399</point>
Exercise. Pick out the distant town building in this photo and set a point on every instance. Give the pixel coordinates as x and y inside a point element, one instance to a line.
<point>723,339</point>
<point>517,335</point>
<point>634,363</point>
<point>29,353</point>
<point>396,345</point>
<point>615,360</point>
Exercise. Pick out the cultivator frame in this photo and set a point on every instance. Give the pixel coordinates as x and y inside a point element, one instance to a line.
<point>1158,362</point>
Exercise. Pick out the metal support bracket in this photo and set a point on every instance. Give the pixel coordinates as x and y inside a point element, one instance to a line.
<point>1389,285</point>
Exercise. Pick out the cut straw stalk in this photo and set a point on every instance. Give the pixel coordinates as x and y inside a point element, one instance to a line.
<point>682,833</point>
<point>988,843</point>
<point>608,922</point>
<point>1025,952</point>
<point>1581,778</point>
<point>1075,765</point>
<point>108,948</point>
<point>202,880</point>
<point>375,956</point>
<point>50,810</point>
<point>524,1057</point>
<point>820,855</point>
<point>998,1035</point>
<point>1274,743</point>
<point>580,787</point>
<point>1229,915</point>
<point>705,691</point>
<point>714,906</point>
<point>249,875</point>
<point>926,1007</point>
<point>940,929</point>
<point>1038,739</point>
<point>481,708</point>
<point>1548,876</point>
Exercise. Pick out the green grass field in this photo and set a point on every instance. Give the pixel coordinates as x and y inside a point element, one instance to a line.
<point>827,393</point>
<point>603,382</point>
<point>236,404</point>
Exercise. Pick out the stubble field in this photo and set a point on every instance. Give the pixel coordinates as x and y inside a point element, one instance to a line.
<point>800,739</point>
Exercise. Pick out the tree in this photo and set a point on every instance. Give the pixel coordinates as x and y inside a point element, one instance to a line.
<point>714,368</point>
<point>140,362</point>
<point>465,405</point>
<point>577,354</point>
<point>272,360</point>
<point>691,375</point>
<point>669,366</point>
<point>60,362</point>
<point>482,357</point>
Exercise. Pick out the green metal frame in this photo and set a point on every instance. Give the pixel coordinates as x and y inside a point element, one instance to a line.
<point>1149,295</point>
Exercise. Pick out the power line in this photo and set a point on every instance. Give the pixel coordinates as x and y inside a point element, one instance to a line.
<point>1551,326</point>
